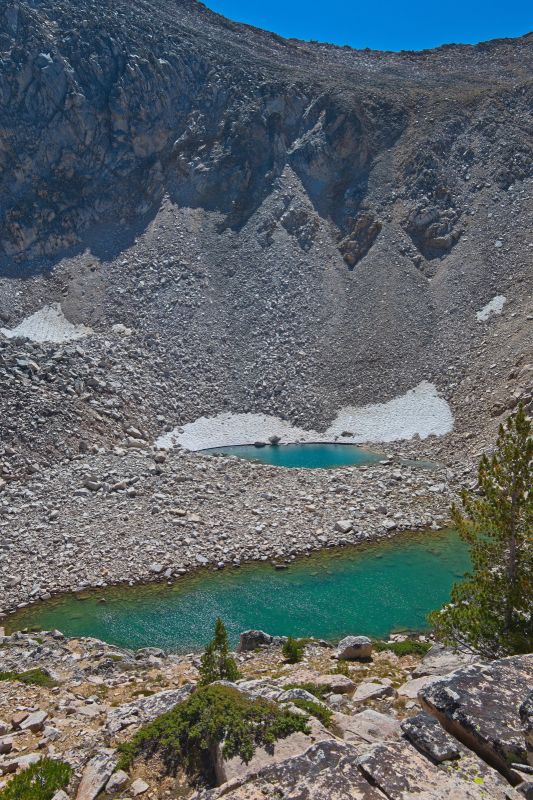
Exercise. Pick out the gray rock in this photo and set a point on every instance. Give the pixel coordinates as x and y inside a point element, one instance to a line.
<point>478,705</point>
<point>367,727</point>
<point>325,771</point>
<point>34,722</point>
<point>428,736</point>
<point>353,648</point>
<point>343,526</point>
<point>298,694</point>
<point>411,689</point>
<point>372,691</point>
<point>117,781</point>
<point>440,660</point>
<point>139,787</point>
<point>146,709</point>
<point>251,640</point>
<point>402,773</point>
<point>96,774</point>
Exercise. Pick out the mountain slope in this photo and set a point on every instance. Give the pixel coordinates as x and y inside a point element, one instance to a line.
<point>286,227</point>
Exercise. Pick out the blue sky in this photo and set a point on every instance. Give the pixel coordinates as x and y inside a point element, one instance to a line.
<point>386,25</point>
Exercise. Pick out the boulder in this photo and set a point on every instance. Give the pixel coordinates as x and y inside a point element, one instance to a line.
<point>343,526</point>
<point>96,774</point>
<point>19,762</point>
<point>251,640</point>
<point>337,683</point>
<point>34,722</point>
<point>372,691</point>
<point>352,648</point>
<point>440,660</point>
<point>410,689</point>
<point>402,773</point>
<point>367,727</point>
<point>479,705</point>
<point>146,709</point>
<point>293,745</point>
<point>430,738</point>
<point>298,694</point>
<point>326,771</point>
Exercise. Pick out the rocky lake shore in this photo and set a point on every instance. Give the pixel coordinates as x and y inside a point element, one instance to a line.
<point>139,514</point>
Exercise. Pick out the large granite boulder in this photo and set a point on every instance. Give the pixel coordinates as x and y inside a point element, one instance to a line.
<point>293,745</point>
<point>480,706</point>
<point>353,648</point>
<point>326,771</point>
<point>402,773</point>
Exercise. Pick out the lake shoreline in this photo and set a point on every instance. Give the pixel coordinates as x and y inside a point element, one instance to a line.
<point>327,561</point>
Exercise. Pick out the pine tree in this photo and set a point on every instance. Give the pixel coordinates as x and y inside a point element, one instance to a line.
<point>491,611</point>
<point>216,662</point>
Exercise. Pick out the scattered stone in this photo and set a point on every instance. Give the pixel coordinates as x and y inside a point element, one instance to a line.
<point>372,691</point>
<point>139,787</point>
<point>34,722</point>
<point>117,781</point>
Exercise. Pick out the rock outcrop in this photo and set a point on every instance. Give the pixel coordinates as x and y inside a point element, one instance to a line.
<point>480,706</point>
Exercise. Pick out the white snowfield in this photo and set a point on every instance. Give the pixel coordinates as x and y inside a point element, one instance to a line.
<point>49,324</point>
<point>494,307</point>
<point>420,411</point>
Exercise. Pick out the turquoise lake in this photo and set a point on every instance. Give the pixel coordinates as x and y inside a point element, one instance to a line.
<point>303,456</point>
<point>372,589</point>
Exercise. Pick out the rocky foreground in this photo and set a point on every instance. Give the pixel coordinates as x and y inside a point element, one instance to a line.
<point>407,727</point>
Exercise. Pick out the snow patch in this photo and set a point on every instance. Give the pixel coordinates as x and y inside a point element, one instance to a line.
<point>418,412</point>
<point>49,324</point>
<point>494,307</point>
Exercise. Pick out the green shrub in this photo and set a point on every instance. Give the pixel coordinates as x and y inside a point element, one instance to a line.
<point>38,782</point>
<point>216,663</point>
<point>322,713</point>
<point>293,650</point>
<point>189,734</point>
<point>313,688</point>
<point>342,668</point>
<point>32,677</point>
<point>407,648</point>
